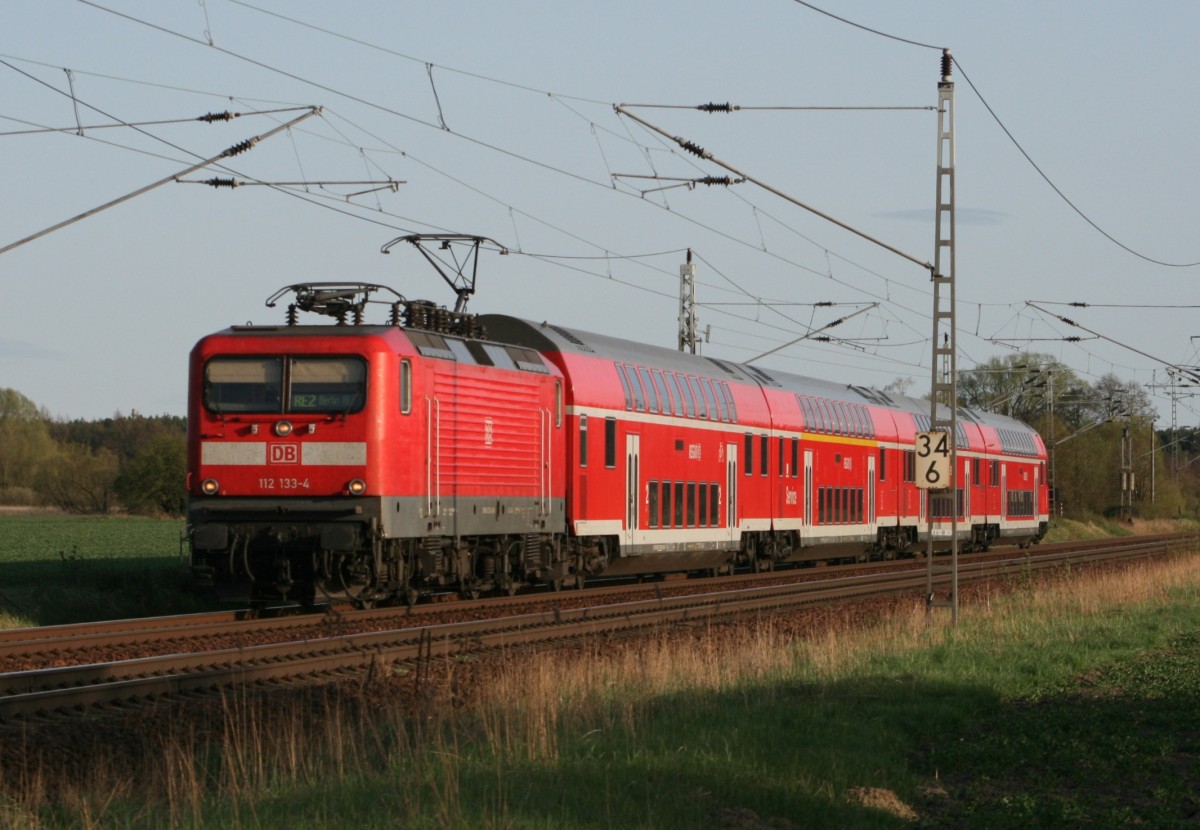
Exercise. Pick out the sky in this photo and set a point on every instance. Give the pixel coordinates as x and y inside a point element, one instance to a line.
<point>1075,126</point>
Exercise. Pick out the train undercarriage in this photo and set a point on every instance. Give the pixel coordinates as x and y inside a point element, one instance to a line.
<point>264,562</point>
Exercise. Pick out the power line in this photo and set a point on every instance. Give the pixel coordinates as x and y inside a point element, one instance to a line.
<point>1011,138</point>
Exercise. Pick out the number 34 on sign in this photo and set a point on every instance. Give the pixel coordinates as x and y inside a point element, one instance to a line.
<point>933,460</point>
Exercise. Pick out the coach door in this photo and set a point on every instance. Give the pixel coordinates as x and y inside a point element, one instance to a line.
<point>808,488</point>
<point>870,517</point>
<point>731,491</point>
<point>964,487</point>
<point>633,490</point>
<point>1004,491</point>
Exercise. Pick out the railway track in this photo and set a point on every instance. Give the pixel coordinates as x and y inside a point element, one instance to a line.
<point>417,636</point>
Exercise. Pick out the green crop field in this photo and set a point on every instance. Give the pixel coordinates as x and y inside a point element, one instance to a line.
<point>59,569</point>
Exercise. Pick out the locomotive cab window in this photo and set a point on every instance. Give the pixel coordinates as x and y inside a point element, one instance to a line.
<point>243,384</point>
<point>273,385</point>
<point>326,384</point>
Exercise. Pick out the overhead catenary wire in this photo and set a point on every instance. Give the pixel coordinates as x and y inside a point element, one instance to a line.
<point>791,261</point>
<point>1012,138</point>
<point>208,118</point>
<point>234,150</point>
<point>361,100</point>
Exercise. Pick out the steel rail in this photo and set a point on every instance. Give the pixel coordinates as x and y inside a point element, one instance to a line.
<point>142,630</point>
<point>48,693</point>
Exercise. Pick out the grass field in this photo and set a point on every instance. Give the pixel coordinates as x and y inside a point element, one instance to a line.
<point>60,569</point>
<point>1069,702</point>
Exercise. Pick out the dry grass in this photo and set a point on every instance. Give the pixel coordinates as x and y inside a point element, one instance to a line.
<point>420,751</point>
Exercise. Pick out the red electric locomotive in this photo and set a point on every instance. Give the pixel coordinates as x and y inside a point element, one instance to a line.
<point>442,451</point>
<point>368,461</point>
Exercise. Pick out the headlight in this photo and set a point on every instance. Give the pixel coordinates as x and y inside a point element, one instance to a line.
<point>356,487</point>
<point>283,429</point>
<point>209,487</point>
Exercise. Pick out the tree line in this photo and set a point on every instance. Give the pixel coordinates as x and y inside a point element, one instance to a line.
<point>130,463</point>
<point>1106,455</point>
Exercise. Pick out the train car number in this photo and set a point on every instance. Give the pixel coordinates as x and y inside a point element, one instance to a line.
<point>283,483</point>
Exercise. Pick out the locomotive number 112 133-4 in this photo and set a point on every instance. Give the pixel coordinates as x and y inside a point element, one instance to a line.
<point>283,483</point>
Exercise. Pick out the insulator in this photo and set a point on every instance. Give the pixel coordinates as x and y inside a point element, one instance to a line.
<point>693,148</point>
<point>946,64</point>
<point>240,147</point>
<point>358,315</point>
<point>218,116</point>
<point>726,107</point>
<point>394,317</point>
<point>293,314</point>
<point>231,183</point>
<point>341,317</point>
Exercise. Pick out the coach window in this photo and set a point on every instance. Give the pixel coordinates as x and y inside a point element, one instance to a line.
<point>725,390</point>
<point>714,504</point>
<point>679,504</point>
<point>663,394</point>
<point>716,403</point>
<point>702,503</point>
<point>625,386</point>
<point>976,478</point>
<point>676,394</point>
<point>610,443</point>
<point>764,444</point>
<point>831,421</point>
<point>795,458</point>
<point>652,499</point>
<point>651,394</point>
<point>405,387</point>
<point>749,465</point>
<point>691,504</point>
<point>582,440</point>
<point>714,413</point>
<point>701,406</point>
<point>995,474</point>
<point>882,464</point>
<point>910,465</point>
<point>639,397</point>
<point>666,504</point>
<point>780,469</point>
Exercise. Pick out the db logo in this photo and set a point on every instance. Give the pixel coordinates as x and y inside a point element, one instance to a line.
<point>283,453</point>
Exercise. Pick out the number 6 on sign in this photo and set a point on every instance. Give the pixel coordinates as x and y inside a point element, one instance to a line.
<point>933,460</point>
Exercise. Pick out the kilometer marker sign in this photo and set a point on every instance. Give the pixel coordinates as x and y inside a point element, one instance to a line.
<point>933,460</point>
